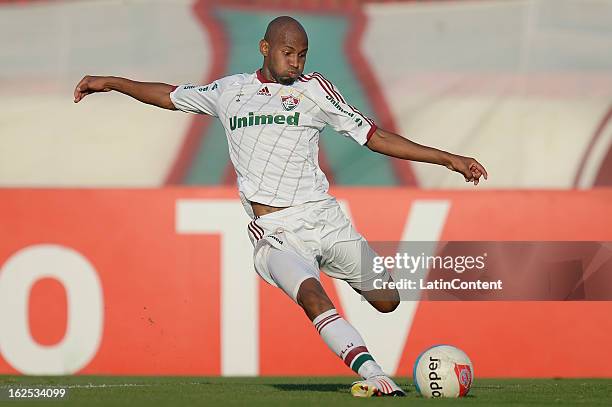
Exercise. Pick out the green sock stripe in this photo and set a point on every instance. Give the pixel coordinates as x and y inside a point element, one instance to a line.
<point>361,359</point>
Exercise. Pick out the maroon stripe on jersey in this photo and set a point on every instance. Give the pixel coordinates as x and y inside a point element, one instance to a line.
<point>329,89</point>
<point>331,86</point>
<point>325,83</point>
<point>357,111</point>
<point>324,324</point>
<point>318,324</point>
<point>328,86</point>
<point>308,78</point>
<point>352,354</point>
<point>363,115</point>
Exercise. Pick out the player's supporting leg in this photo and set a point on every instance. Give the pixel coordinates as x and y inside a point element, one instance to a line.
<point>296,277</point>
<point>339,335</point>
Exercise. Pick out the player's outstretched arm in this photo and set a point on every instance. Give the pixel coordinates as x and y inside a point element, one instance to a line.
<point>156,94</point>
<point>394,145</point>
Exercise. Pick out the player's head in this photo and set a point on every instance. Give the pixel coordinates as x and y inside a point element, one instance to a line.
<point>284,48</point>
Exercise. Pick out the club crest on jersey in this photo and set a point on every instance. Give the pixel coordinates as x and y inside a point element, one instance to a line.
<point>289,102</point>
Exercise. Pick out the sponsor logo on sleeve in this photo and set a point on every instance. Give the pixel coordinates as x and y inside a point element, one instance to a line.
<point>207,88</point>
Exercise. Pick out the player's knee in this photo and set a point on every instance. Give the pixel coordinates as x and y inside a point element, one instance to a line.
<point>386,306</point>
<point>384,301</point>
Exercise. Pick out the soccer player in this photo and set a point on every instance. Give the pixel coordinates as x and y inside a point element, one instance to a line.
<point>273,118</point>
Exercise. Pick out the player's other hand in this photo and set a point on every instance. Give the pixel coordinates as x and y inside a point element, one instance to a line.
<point>88,85</point>
<point>471,169</point>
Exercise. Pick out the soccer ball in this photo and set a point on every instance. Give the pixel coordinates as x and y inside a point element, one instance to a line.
<point>443,371</point>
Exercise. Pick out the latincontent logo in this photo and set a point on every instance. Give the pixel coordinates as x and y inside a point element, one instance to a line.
<point>408,272</point>
<point>490,270</point>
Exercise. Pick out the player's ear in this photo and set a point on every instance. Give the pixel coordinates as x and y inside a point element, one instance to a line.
<point>264,47</point>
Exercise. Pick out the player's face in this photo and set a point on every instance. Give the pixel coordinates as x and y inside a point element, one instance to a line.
<point>287,57</point>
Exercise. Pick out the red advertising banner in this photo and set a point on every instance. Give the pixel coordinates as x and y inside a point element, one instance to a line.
<point>160,282</point>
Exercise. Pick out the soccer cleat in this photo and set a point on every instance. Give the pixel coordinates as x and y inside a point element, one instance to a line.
<point>377,386</point>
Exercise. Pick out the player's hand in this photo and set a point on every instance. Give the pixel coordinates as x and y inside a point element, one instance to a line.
<point>88,85</point>
<point>471,169</point>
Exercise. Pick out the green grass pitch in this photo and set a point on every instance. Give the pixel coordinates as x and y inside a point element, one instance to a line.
<point>296,391</point>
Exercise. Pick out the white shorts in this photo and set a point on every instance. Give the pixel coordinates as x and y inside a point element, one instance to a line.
<point>319,233</point>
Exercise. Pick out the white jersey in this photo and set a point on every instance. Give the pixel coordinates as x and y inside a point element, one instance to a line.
<point>273,132</point>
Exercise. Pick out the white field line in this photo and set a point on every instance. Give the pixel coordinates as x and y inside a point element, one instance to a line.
<point>88,386</point>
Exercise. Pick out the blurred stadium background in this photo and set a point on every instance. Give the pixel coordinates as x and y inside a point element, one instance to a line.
<point>109,264</point>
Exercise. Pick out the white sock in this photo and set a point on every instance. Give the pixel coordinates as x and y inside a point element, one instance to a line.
<point>345,341</point>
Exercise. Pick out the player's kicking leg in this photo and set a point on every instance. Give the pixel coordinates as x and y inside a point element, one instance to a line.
<point>300,281</point>
<point>383,300</point>
<point>351,261</point>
